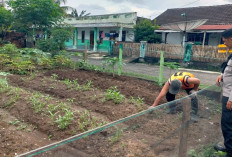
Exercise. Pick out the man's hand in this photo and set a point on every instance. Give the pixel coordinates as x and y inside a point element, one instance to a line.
<point>218,80</point>
<point>229,105</point>
<point>193,93</point>
<point>151,109</point>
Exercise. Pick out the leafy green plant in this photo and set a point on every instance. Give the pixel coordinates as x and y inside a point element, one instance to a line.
<point>87,86</point>
<point>87,121</point>
<point>22,127</point>
<point>52,108</point>
<point>172,66</point>
<point>21,67</point>
<point>52,115</point>
<point>45,63</point>
<point>205,151</point>
<point>61,61</point>
<point>138,102</point>
<point>113,94</point>
<point>76,85</point>
<point>110,62</point>
<point>54,76</point>
<point>71,100</point>
<point>116,137</point>
<point>10,49</point>
<point>4,60</point>
<point>38,105</point>
<point>64,121</point>
<point>12,100</point>
<point>15,122</point>
<point>3,85</point>
<point>68,83</point>
<point>84,120</point>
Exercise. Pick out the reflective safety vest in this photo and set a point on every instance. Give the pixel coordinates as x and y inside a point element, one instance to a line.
<point>183,77</point>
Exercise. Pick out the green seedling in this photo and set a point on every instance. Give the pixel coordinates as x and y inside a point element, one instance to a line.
<point>15,122</point>
<point>3,85</point>
<point>12,100</point>
<point>94,98</point>
<point>172,66</point>
<point>74,132</point>
<point>113,94</point>
<point>71,100</point>
<point>22,127</point>
<point>116,138</point>
<point>32,76</point>
<point>54,77</point>
<point>52,108</point>
<point>87,121</point>
<point>50,137</point>
<point>38,105</point>
<point>64,121</point>
<point>52,115</point>
<point>87,86</point>
<point>110,62</point>
<point>68,83</point>
<point>139,103</point>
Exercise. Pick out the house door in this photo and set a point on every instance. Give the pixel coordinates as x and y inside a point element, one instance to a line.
<point>91,42</point>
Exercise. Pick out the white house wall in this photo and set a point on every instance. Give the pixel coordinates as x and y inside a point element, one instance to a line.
<point>173,38</point>
<point>129,33</point>
<point>125,18</point>
<point>214,39</point>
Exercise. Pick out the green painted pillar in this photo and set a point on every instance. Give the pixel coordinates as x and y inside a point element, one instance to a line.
<point>161,68</point>
<point>143,47</point>
<point>95,39</point>
<point>111,46</point>
<point>75,38</point>
<point>120,59</point>
<point>187,52</point>
<point>46,35</point>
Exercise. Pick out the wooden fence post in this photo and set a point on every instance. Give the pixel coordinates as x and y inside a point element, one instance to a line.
<point>186,104</point>
<point>85,55</point>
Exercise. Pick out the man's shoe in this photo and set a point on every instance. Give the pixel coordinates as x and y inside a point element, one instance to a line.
<point>170,111</point>
<point>194,118</point>
<point>220,147</point>
<point>228,155</point>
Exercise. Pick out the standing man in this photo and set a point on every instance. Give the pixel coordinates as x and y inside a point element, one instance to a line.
<point>226,78</point>
<point>180,80</point>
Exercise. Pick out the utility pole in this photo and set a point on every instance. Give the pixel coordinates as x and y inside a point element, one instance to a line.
<point>3,4</point>
<point>184,15</point>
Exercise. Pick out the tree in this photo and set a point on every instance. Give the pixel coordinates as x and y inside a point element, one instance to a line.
<point>6,20</point>
<point>75,14</point>
<point>57,39</point>
<point>145,31</point>
<point>32,15</point>
<point>60,1</point>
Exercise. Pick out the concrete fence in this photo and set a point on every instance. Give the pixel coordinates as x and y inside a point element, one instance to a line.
<point>199,53</point>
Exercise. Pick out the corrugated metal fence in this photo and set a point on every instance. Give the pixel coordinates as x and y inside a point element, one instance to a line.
<point>199,53</point>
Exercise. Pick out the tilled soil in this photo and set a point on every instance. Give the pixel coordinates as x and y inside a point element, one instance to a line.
<point>23,128</point>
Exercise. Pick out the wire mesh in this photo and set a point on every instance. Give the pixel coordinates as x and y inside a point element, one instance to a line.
<point>176,128</point>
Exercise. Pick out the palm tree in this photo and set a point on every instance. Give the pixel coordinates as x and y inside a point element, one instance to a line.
<point>2,4</point>
<point>60,1</point>
<point>64,8</point>
<point>75,14</point>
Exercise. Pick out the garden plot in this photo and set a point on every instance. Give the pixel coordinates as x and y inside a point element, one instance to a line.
<point>50,106</point>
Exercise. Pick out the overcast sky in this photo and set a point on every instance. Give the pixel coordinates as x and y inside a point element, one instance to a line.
<point>144,8</point>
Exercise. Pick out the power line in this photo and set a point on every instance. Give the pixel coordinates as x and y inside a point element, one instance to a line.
<point>190,3</point>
